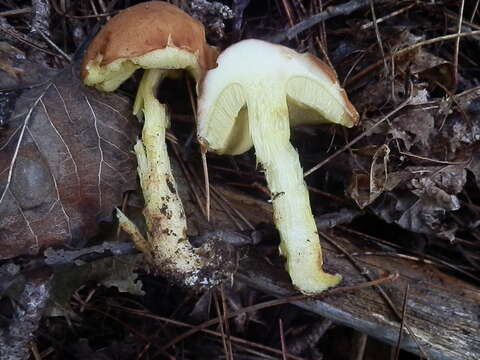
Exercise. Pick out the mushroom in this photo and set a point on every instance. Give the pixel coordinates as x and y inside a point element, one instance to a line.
<point>163,40</point>
<point>255,94</point>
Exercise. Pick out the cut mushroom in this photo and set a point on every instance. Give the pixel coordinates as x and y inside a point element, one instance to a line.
<point>163,40</point>
<point>255,94</point>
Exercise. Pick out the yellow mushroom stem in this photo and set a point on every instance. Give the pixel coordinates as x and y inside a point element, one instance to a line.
<point>163,212</point>
<point>300,243</point>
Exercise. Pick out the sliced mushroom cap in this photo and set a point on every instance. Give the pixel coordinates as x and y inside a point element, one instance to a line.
<point>310,87</point>
<point>256,93</point>
<point>150,35</point>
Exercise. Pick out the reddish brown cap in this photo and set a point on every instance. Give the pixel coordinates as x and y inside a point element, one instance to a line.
<point>351,114</point>
<point>146,27</point>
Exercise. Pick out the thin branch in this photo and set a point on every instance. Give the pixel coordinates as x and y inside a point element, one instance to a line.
<point>474,12</point>
<point>14,12</point>
<point>379,38</point>
<point>222,327</point>
<point>359,137</point>
<point>276,302</point>
<point>402,324</point>
<point>380,289</point>
<point>407,49</point>
<point>386,17</point>
<point>282,339</point>
<point>457,45</point>
<point>330,12</point>
<point>52,44</point>
<point>207,184</point>
<point>207,331</point>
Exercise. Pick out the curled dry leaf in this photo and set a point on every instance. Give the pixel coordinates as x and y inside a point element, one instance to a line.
<point>64,164</point>
<point>423,205</point>
<point>364,189</point>
<point>414,128</point>
<point>118,271</point>
<point>433,142</point>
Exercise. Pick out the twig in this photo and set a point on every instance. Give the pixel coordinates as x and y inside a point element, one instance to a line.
<point>466,25</point>
<point>235,210</point>
<point>130,328</point>
<point>330,12</point>
<point>407,49</point>
<point>52,44</point>
<point>379,38</point>
<point>227,324</point>
<point>189,178</point>
<point>288,11</point>
<point>395,246</point>
<point>435,160</point>
<point>474,11</point>
<point>385,296</point>
<point>402,324</point>
<point>386,17</point>
<point>17,36</point>
<point>65,14</point>
<point>34,350</point>
<point>207,331</point>
<point>16,12</point>
<point>222,327</point>
<point>277,302</point>
<point>207,184</point>
<point>282,339</point>
<point>309,338</point>
<point>226,208</point>
<point>394,254</point>
<point>359,137</point>
<point>359,345</point>
<point>457,46</point>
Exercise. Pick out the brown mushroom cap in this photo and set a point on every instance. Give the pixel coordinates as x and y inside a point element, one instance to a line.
<point>142,29</point>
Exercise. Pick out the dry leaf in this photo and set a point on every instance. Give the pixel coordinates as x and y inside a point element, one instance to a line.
<point>64,164</point>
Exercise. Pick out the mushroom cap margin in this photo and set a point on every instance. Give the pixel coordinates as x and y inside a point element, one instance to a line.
<point>144,28</point>
<point>227,80</point>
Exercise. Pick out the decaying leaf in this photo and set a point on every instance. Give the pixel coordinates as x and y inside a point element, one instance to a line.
<point>64,164</point>
<point>414,127</point>
<point>423,205</point>
<point>116,272</point>
<point>365,189</point>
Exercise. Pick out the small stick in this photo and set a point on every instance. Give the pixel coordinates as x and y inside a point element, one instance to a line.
<point>358,138</point>
<point>330,12</point>
<point>386,17</point>
<point>222,327</point>
<point>282,339</point>
<point>474,11</point>
<point>276,302</point>
<point>457,46</point>
<point>16,12</point>
<point>380,289</point>
<point>207,184</point>
<point>404,314</point>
